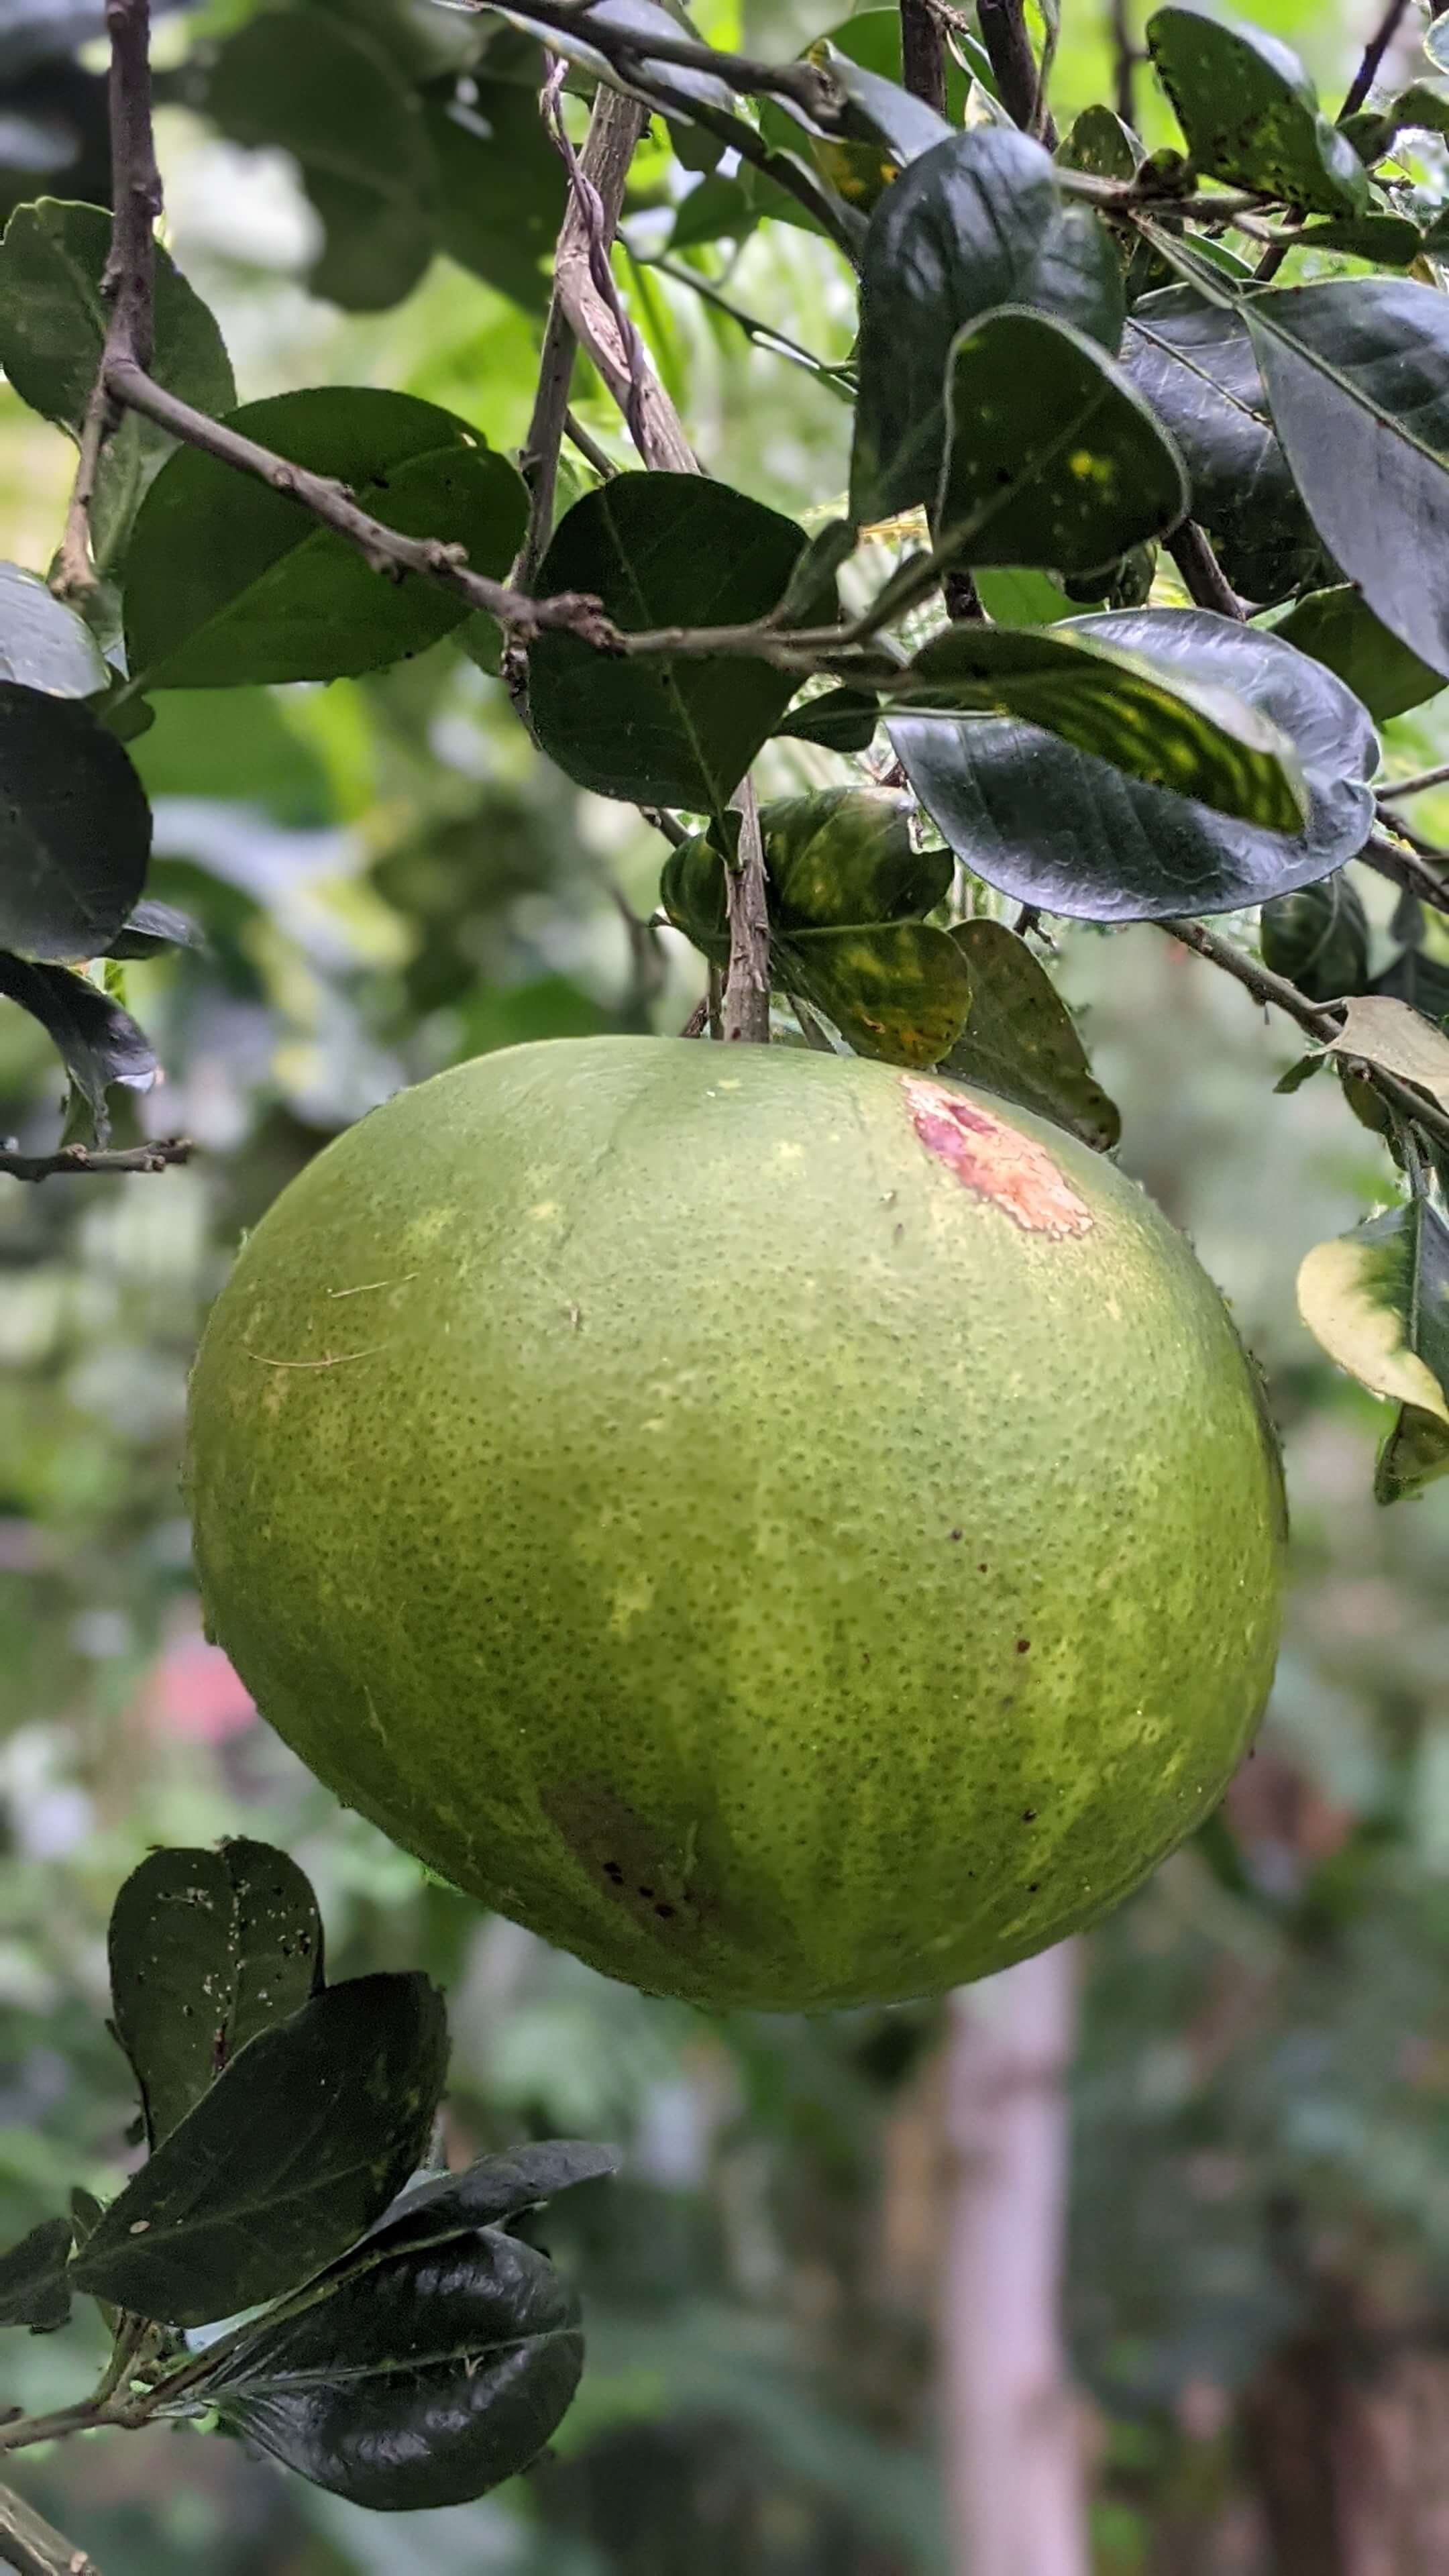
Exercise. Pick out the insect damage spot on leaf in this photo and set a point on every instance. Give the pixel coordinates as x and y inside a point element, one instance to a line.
<point>996,1161</point>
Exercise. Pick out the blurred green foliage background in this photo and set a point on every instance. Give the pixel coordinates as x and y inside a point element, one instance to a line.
<point>390,880</point>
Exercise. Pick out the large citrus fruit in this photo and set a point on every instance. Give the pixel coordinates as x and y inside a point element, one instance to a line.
<point>794,1532</point>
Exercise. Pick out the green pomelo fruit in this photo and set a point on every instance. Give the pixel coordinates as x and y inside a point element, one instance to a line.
<point>793,1532</point>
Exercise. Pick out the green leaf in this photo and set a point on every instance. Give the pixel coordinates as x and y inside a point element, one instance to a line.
<point>1339,629</point>
<point>1100,144</point>
<point>844,856</point>
<point>1021,598</point>
<point>837,719</point>
<point>719,209</point>
<point>425,2381</point>
<point>1251,114</point>
<point>1157,723</point>
<point>151,930</point>
<point>1358,376</point>
<point>974,224</point>
<point>1319,938</point>
<point>207,1948</point>
<point>299,81</point>
<point>502,188</point>
<point>43,644</point>
<point>1391,241</point>
<point>897,990</point>
<point>1021,1041</point>
<point>1377,1030</point>
<point>1194,363</point>
<point>299,2145</point>
<point>491,2192</point>
<point>663,550</point>
<point>1053,459</point>
<point>98,1043</point>
<point>231,581</point>
<point>52,330</point>
<point>1420,979</point>
<point>1378,1302</point>
<point>882,130</point>
<point>1059,829</point>
<point>75,827</point>
<point>34,2287</point>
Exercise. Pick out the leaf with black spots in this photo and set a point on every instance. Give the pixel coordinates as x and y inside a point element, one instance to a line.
<point>1053,459</point>
<point>230,580</point>
<point>1021,1041</point>
<point>1251,114</point>
<point>425,2380</point>
<point>1159,722</point>
<point>1065,831</point>
<point>34,2286</point>
<point>207,1948</point>
<point>300,2144</point>
<point>75,827</point>
<point>52,329</point>
<point>663,550</point>
<point>1193,362</point>
<point>976,223</point>
<point>98,1043</point>
<point>1378,1302</point>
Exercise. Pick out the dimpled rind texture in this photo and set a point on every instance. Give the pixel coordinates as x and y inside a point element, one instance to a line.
<point>793,1533</point>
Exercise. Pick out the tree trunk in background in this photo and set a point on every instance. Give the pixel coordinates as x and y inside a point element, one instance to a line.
<point>1349,2453</point>
<point>1010,2439</point>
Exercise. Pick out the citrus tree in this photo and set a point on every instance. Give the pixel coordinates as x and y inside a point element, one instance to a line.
<point>1149,480</point>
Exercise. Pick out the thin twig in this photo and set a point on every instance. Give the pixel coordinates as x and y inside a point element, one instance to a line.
<point>923,54</point>
<point>1203,576</point>
<point>1003,33</point>
<point>805,84</point>
<point>589,448</point>
<point>1403,865</point>
<point>33,2547</point>
<point>1125,59</point>
<point>78,1160</point>
<point>762,334</point>
<point>1415,786</point>
<point>1321,1021</point>
<point>1373,54</point>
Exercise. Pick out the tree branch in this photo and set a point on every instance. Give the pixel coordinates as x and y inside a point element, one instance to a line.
<point>806,85</point>
<point>1415,786</point>
<point>585,291</point>
<point>33,2546</point>
<point>1203,576</point>
<point>1003,33</point>
<point>1126,56</point>
<point>1373,54</point>
<point>80,1159</point>
<point>923,54</point>
<point>1320,1020</point>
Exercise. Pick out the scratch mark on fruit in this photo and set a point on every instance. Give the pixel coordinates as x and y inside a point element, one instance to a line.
<point>369,1287</point>
<point>996,1161</point>
<point>341,1359</point>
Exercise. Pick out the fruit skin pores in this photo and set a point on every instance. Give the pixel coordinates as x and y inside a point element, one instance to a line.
<point>797,1533</point>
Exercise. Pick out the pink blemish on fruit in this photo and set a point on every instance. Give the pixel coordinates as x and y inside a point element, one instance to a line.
<point>994,1160</point>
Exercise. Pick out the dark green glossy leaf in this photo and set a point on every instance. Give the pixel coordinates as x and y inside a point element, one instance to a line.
<point>52,328</point>
<point>719,209</point>
<point>98,1043</point>
<point>356,132</point>
<point>43,644</point>
<point>1021,1041</point>
<point>1391,241</point>
<point>152,929</point>
<point>663,550</point>
<point>1194,363</point>
<point>838,720</point>
<point>1319,938</point>
<point>426,2381</point>
<point>1053,458</point>
<point>1378,1302</point>
<point>34,2286</point>
<point>1423,106</point>
<point>502,188</point>
<point>1083,681</point>
<point>230,581</point>
<point>976,223</point>
<point>207,1948</point>
<point>491,2192</point>
<point>1251,114</point>
<point>1338,628</point>
<point>75,828</point>
<point>1056,828</point>
<point>299,2145</point>
<point>883,129</point>
<point>1357,373</point>
<point>844,856</point>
